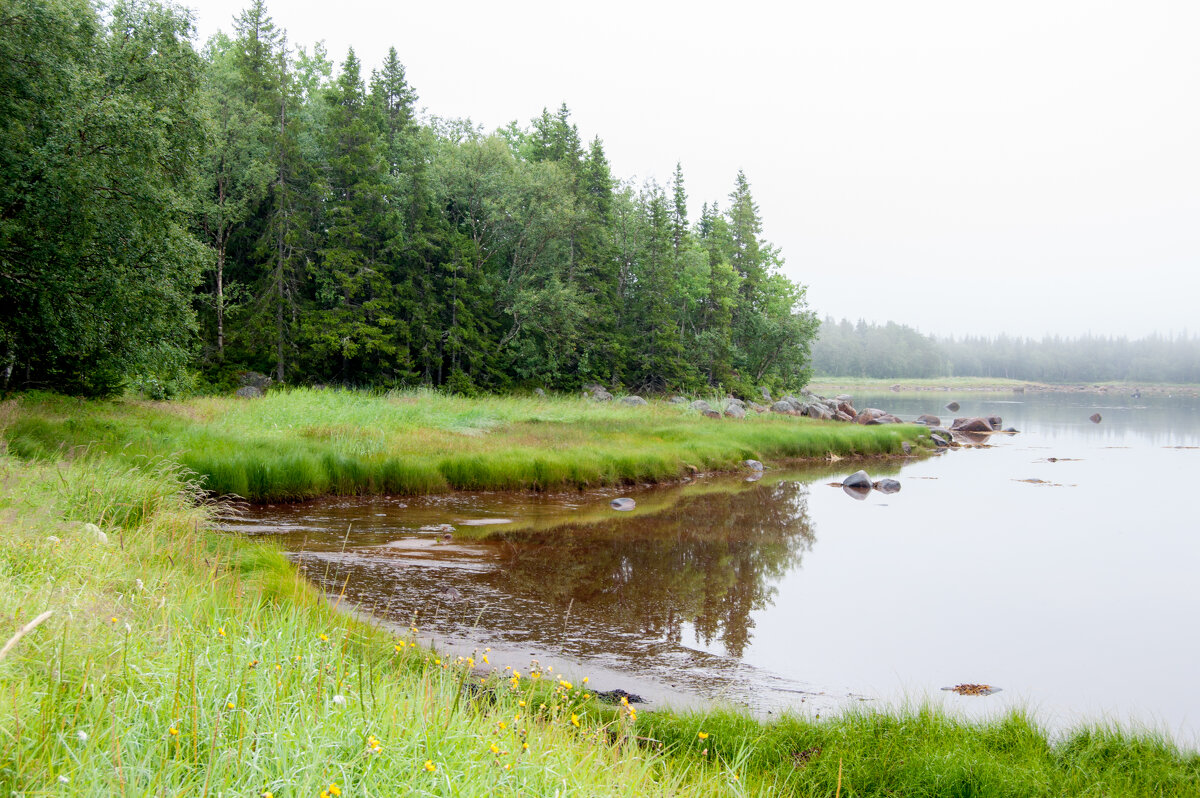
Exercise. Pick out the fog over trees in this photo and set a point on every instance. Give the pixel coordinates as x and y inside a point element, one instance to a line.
<point>892,350</point>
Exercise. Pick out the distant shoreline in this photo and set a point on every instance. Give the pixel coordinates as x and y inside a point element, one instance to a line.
<point>987,385</point>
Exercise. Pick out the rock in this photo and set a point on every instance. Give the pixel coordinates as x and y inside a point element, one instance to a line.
<point>797,404</point>
<point>866,415</point>
<point>952,407</point>
<point>678,400</point>
<point>887,486</point>
<point>975,424</point>
<point>939,441</point>
<point>817,410</point>
<point>845,406</point>
<point>1095,418</point>
<point>601,395</point>
<point>995,421</point>
<point>615,696</point>
<point>929,420</point>
<point>858,493</point>
<point>248,392</point>
<point>450,594</point>
<point>700,405</point>
<point>539,393</point>
<point>843,397</point>
<point>906,447</point>
<point>782,407</point>
<point>841,416</point>
<point>735,411</point>
<point>757,408</point>
<point>896,388</point>
<point>753,465</point>
<point>623,504</point>
<point>252,379</point>
<point>858,479</point>
<point>710,413</point>
<point>766,395</point>
<point>633,401</point>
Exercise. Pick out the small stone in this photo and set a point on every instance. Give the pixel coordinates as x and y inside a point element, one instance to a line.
<point>859,479</point>
<point>1095,418</point>
<point>538,392</point>
<point>623,504</point>
<point>753,465</point>
<point>952,407</point>
<point>887,486</point>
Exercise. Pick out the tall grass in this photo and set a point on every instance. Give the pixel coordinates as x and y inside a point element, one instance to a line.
<point>306,443</point>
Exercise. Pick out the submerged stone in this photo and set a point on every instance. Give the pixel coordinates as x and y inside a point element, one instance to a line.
<point>623,504</point>
<point>887,486</point>
<point>1095,418</point>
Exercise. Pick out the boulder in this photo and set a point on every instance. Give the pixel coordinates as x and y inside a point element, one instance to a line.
<point>678,400</point>
<point>766,395</point>
<point>735,411</point>
<point>252,379</point>
<point>248,392</point>
<point>757,408</point>
<point>939,441</point>
<point>975,424</point>
<point>841,416</point>
<point>601,395</point>
<point>539,393</point>
<point>843,397</point>
<point>886,418</point>
<point>952,407</point>
<point>995,421</point>
<point>859,479</point>
<point>753,465</point>
<point>866,415</point>
<point>929,420</point>
<point>633,401</point>
<point>818,410</point>
<point>733,400</point>
<point>623,504</point>
<point>782,407</point>
<point>700,405</point>
<point>887,486</point>
<point>797,404</point>
<point>710,413</point>
<point>845,406</point>
<point>1095,418</point>
<point>906,447</point>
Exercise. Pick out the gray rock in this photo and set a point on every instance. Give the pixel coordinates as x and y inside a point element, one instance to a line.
<point>735,411</point>
<point>995,421</point>
<point>252,379</point>
<point>843,397</point>
<point>623,504</point>
<point>678,400</point>
<point>450,594</point>
<point>952,407</point>
<point>906,447</point>
<point>733,400</point>
<point>783,407</point>
<point>633,401</point>
<point>843,416</point>
<point>1095,418</point>
<point>757,408</point>
<point>753,465</point>
<point>939,441</point>
<point>887,486</point>
<point>929,420</point>
<point>538,392</point>
<point>700,405</point>
<point>858,479</point>
<point>1011,430</point>
<point>248,392</point>
<point>601,395</point>
<point>710,413</point>
<point>975,424</point>
<point>766,395</point>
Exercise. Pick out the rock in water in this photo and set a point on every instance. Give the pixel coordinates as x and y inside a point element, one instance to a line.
<point>952,407</point>
<point>929,420</point>
<point>971,425</point>
<point>753,465</point>
<point>1095,418</point>
<point>887,486</point>
<point>858,494</point>
<point>623,504</point>
<point>859,479</point>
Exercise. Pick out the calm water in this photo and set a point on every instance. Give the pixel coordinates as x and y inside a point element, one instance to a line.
<point>1077,595</point>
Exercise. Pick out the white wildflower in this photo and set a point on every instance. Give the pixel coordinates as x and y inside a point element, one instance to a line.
<point>339,700</point>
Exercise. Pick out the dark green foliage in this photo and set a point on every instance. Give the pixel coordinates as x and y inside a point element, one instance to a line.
<point>348,240</point>
<point>100,140</point>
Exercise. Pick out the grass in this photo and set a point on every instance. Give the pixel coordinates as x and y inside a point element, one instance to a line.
<point>179,660</point>
<point>305,443</point>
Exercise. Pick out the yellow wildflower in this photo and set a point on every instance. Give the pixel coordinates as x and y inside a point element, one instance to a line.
<point>430,766</point>
<point>485,660</point>
<point>494,749</point>
<point>173,731</point>
<point>335,790</point>
<point>702,735</point>
<point>574,720</point>
<point>524,746</point>
<point>112,619</point>
<point>508,765</point>
<point>220,630</point>
<point>324,638</point>
<point>229,705</point>
<point>521,703</point>
<point>268,794</point>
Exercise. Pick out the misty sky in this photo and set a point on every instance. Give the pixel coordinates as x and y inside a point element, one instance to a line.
<point>1021,167</point>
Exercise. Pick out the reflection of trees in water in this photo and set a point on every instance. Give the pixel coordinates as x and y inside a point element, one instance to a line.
<point>708,561</point>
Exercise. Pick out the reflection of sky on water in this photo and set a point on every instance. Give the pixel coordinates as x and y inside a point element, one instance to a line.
<point>1076,594</point>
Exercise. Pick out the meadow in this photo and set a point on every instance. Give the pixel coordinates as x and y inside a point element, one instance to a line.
<point>304,443</point>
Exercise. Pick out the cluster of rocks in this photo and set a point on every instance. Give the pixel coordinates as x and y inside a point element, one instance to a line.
<point>859,485</point>
<point>971,429</point>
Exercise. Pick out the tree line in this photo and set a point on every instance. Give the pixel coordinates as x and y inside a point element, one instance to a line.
<point>892,350</point>
<point>168,210</point>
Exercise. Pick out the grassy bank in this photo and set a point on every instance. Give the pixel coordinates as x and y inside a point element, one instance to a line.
<point>182,661</point>
<point>306,443</point>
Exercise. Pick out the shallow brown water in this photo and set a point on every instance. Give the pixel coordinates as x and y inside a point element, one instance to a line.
<point>1058,564</point>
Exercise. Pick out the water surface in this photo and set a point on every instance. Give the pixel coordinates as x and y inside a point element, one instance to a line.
<point>1059,564</point>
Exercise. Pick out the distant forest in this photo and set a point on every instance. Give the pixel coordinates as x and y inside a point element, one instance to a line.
<point>892,350</point>
<point>172,215</point>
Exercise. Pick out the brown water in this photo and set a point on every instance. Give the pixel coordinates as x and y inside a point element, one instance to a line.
<point>1077,593</point>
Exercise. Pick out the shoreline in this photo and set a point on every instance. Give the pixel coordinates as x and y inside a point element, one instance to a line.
<point>985,385</point>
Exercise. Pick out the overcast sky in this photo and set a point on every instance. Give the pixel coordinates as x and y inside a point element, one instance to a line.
<point>1021,167</point>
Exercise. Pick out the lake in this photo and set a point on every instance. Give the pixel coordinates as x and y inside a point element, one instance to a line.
<point>1059,564</point>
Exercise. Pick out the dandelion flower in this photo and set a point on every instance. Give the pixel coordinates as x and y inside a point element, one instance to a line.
<point>335,790</point>
<point>112,619</point>
<point>268,794</point>
<point>485,660</point>
<point>324,638</point>
<point>702,735</point>
<point>508,765</point>
<point>524,746</point>
<point>81,736</point>
<point>502,725</point>
<point>173,731</point>
<point>574,720</point>
<point>521,703</point>
<point>229,705</point>
<point>493,748</point>
<point>220,631</point>
<point>430,766</point>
